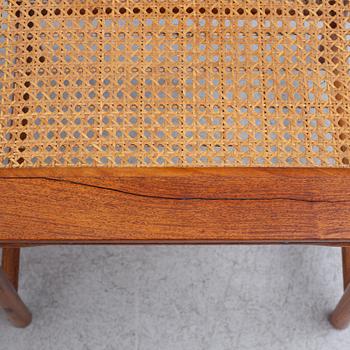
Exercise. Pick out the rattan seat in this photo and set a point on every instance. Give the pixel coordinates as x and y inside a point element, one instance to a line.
<point>174,83</point>
<point>176,122</point>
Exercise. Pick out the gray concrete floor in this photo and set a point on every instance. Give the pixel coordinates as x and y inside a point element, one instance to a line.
<point>178,298</point>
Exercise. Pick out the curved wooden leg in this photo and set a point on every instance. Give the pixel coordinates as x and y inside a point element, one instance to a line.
<point>16,311</point>
<point>340,318</point>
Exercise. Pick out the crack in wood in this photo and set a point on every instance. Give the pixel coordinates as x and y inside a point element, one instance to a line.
<point>174,198</point>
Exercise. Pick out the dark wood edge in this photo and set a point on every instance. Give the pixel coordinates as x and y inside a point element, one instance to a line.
<point>39,243</point>
<point>146,172</point>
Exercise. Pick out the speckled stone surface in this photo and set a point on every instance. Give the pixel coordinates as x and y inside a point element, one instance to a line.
<point>179,298</point>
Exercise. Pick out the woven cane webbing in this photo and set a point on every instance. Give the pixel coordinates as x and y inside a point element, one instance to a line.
<point>175,83</point>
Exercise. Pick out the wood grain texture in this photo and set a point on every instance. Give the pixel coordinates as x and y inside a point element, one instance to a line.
<point>303,184</point>
<point>10,264</point>
<point>221,205</point>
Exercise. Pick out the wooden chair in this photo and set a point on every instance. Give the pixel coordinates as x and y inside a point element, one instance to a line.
<point>163,122</point>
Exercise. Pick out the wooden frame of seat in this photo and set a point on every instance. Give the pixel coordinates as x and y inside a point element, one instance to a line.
<point>178,205</point>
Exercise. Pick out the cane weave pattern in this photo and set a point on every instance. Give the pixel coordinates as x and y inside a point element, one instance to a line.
<point>174,83</point>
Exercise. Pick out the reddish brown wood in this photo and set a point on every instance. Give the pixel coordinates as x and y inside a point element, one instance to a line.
<point>10,264</point>
<point>62,211</point>
<point>346,266</point>
<point>174,205</point>
<point>215,183</point>
<point>340,318</point>
<point>72,243</point>
<point>16,311</point>
<point>18,245</point>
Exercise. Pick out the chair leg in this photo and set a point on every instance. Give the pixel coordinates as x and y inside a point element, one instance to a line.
<point>10,264</point>
<point>340,318</point>
<point>346,266</point>
<point>16,311</point>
